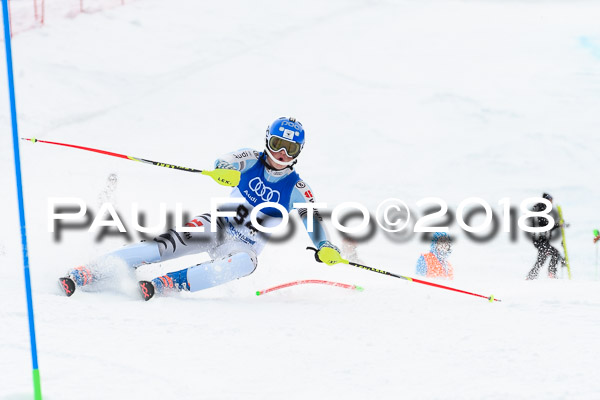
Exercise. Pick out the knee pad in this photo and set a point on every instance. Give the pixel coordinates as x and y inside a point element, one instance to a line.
<point>220,271</point>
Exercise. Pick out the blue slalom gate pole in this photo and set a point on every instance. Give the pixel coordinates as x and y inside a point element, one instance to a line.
<point>37,389</point>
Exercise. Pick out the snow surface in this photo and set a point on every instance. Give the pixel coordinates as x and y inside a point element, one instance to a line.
<point>405,99</point>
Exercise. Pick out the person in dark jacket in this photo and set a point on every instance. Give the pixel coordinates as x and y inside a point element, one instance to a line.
<point>541,241</point>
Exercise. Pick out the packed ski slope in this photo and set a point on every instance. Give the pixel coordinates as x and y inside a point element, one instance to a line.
<point>401,99</point>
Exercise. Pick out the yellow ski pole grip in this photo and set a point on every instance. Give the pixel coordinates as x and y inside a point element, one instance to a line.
<point>225,177</point>
<point>328,256</point>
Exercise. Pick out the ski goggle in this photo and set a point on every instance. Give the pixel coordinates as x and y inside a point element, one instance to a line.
<point>292,149</point>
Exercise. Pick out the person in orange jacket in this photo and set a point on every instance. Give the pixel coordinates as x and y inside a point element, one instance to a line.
<point>435,264</point>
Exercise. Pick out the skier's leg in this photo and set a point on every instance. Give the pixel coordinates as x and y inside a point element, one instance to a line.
<point>555,256</point>
<point>220,271</point>
<point>131,255</point>
<point>173,244</point>
<point>167,246</point>
<point>203,276</point>
<point>541,259</point>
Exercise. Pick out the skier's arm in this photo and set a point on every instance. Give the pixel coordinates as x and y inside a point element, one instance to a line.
<point>303,194</point>
<point>421,266</point>
<point>239,160</point>
<point>327,251</point>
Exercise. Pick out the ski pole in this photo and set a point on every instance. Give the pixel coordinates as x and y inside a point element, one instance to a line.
<point>380,271</point>
<point>561,222</point>
<point>225,177</point>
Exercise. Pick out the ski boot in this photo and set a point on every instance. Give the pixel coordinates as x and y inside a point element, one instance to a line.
<point>172,281</point>
<point>79,276</point>
<point>147,289</point>
<point>67,284</point>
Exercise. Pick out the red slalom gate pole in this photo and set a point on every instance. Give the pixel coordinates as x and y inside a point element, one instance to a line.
<point>302,282</point>
<point>380,271</point>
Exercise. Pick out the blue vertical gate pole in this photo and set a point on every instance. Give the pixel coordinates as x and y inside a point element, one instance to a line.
<point>15,131</point>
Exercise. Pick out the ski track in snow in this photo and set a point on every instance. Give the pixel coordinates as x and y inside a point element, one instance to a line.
<point>399,99</point>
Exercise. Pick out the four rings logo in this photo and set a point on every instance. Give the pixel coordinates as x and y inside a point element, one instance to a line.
<point>264,192</point>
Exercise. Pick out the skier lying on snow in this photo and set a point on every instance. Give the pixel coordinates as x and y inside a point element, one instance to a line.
<point>265,177</point>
